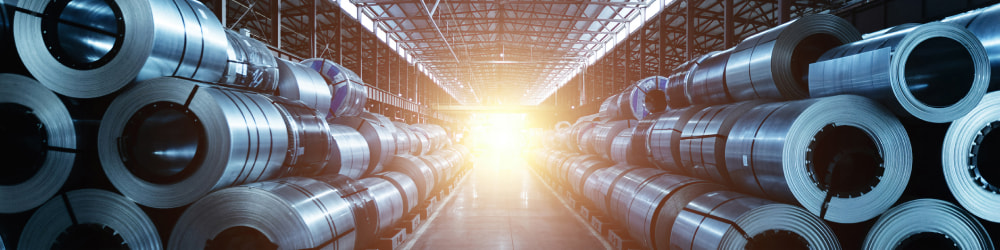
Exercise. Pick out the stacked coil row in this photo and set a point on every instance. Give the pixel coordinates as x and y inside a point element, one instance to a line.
<point>131,113</point>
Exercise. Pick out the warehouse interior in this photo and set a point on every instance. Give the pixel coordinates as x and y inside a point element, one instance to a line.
<point>499,124</point>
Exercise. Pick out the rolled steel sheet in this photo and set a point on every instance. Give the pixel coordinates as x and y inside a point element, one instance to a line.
<point>598,186</point>
<point>647,221</point>
<point>665,138</point>
<point>639,153</point>
<point>632,101</point>
<point>580,130</point>
<point>408,145</point>
<point>773,64</point>
<point>935,72</point>
<point>380,138</point>
<point>406,187</point>
<point>98,47</point>
<point>844,158</point>
<point>982,23</point>
<point>439,166</point>
<point>436,134</point>
<point>610,109</point>
<point>621,147</point>
<point>676,95</point>
<point>349,92</point>
<point>729,220</point>
<point>578,172</point>
<point>416,169</point>
<point>625,188</point>
<point>291,213</point>
<point>363,203</point>
<point>604,135</point>
<point>349,154</point>
<point>300,83</point>
<point>166,142</point>
<point>89,218</point>
<point>707,83</point>
<point>703,140</point>
<point>968,154</point>
<point>648,86</point>
<point>465,154</point>
<point>309,141</point>
<point>40,143</point>
<point>561,172</point>
<point>889,30</point>
<point>250,65</point>
<point>388,203</point>
<point>927,224</point>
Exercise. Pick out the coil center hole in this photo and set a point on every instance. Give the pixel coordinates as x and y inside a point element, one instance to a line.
<point>777,239</point>
<point>163,143</point>
<point>809,50</point>
<point>844,161</point>
<point>83,34</point>
<point>927,240</point>
<point>240,237</point>
<point>939,72</point>
<point>25,143</point>
<point>89,236</point>
<point>983,159</point>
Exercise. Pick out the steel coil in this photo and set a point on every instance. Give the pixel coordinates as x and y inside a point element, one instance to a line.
<point>969,154</point>
<point>889,30</point>
<point>632,101</point>
<point>406,186</point>
<point>610,110</point>
<point>364,203</point>
<point>166,142</point>
<point>309,141</point>
<point>93,48</point>
<point>438,165</point>
<point>655,93</point>
<point>844,158</point>
<point>437,136</point>
<point>703,140</point>
<point>773,64</point>
<point>89,218</point>
<point>288,213</point>
<point>729,220</point>
<point>388,204</point>
<point>300,83</point>
<point>647,221</point>
<point>578,173</point>
<point>416,169</point>
<point>624,189</point>
<point>250,65</point>
<point>380,138</point>
<point>927,224</point>
<point>621,147</point>
<point>707,80</point>
<point>676,95</point>
<point>665,138</point>
<point>598,186</point>
<point>639,153</point>
<point>404,138</point>
<point>583,136</point>
<point>414,141</point>
<point>982,23</point>
<point>349,93</point>
<point>349,154</point>
<point>604,135</point>
<point>39,143</point>
<point>935,72</point>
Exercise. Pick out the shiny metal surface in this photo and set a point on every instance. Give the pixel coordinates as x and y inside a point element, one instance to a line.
<point>598,186</point>
<point>729,220</point>
<point>436,134</point>
<point>773,64</point>
<point>903,225</point>
<point>982,23</point>
<point>676,93</point>
<point>935,72</point>
<point>349,92</point>
<point>162,153</point>
<point>292,213</point>
<point>644,208</point>
<point>703,140</point>
<point>610,110</point>
<point>665,137</point>
<point>349,154</point>
<point>624,189</point>
<point>57,222</point>
<point>300,83</point>
<point>380,138</point>
<point>582,136</point>
<point>968,152</point>
<point>844,158</point>
<point>407,188</point>
<point>124,41</point>
<point>33,171</point>
<point>578,173</point>
<point>621,146</point>
<point>632,103</point>
<point>439,166</point>
<point>309,141</point>
<point>250,65</point>
<point>388,202</point>
<point>406,141</point>
<point>416,169</point>
<point>639,153</point>
<point>365,205</point>
<point>707,83</point>
<point>604,135</point>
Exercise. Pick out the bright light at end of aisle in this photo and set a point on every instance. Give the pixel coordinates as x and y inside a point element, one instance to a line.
<point>497,136</point>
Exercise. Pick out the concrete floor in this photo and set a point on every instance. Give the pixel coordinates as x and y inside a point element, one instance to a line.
<point>502,205</point>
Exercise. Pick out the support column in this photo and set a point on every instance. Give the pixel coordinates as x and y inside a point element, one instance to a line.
<point>313,28</point>
<point>784,9</point>
<point>689,30</point>
<point>727,24</point>
<point>276,23</point>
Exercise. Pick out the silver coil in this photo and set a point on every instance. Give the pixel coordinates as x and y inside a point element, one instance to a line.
<point>298,82</point>
<point>604,135</point>
<point>707,83</point>
<point>598,186</point>
<point>703,140</point>
<point>416,169</point>
<point>610,110</point>
<point>349,93</point>
<point>639,153</point>
<point>388,203</point>
<point>93,48</point>
<point>935,72</point>
<point>92,216</point>
<point>643,214</point>
<point>435,134</point>
<point>632,101</point>
<point>438,165</point>
<point>968,154</point>
<point>927,224</point>
<point>166,142</point>
<point>583,137</point>
<point>350,152</point>
<point>406,186</point>
<point>309,141</point>
<point>982,23</point>
<point>889,30</point>
<point>845,158</point>
<point>40,143</point>
<point>404,138</point>
<point>773,64</point>
<point>380,138</point>
<point>412,139</point>
<point>289,213</point>
<point>676,96</point>
<point>621,147</point>
<point>624,188</point>
<point>665,138</point>
<point>578,172</point>
<point>365,207</point>
<point>729,220</point>
<point>250,65</point>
